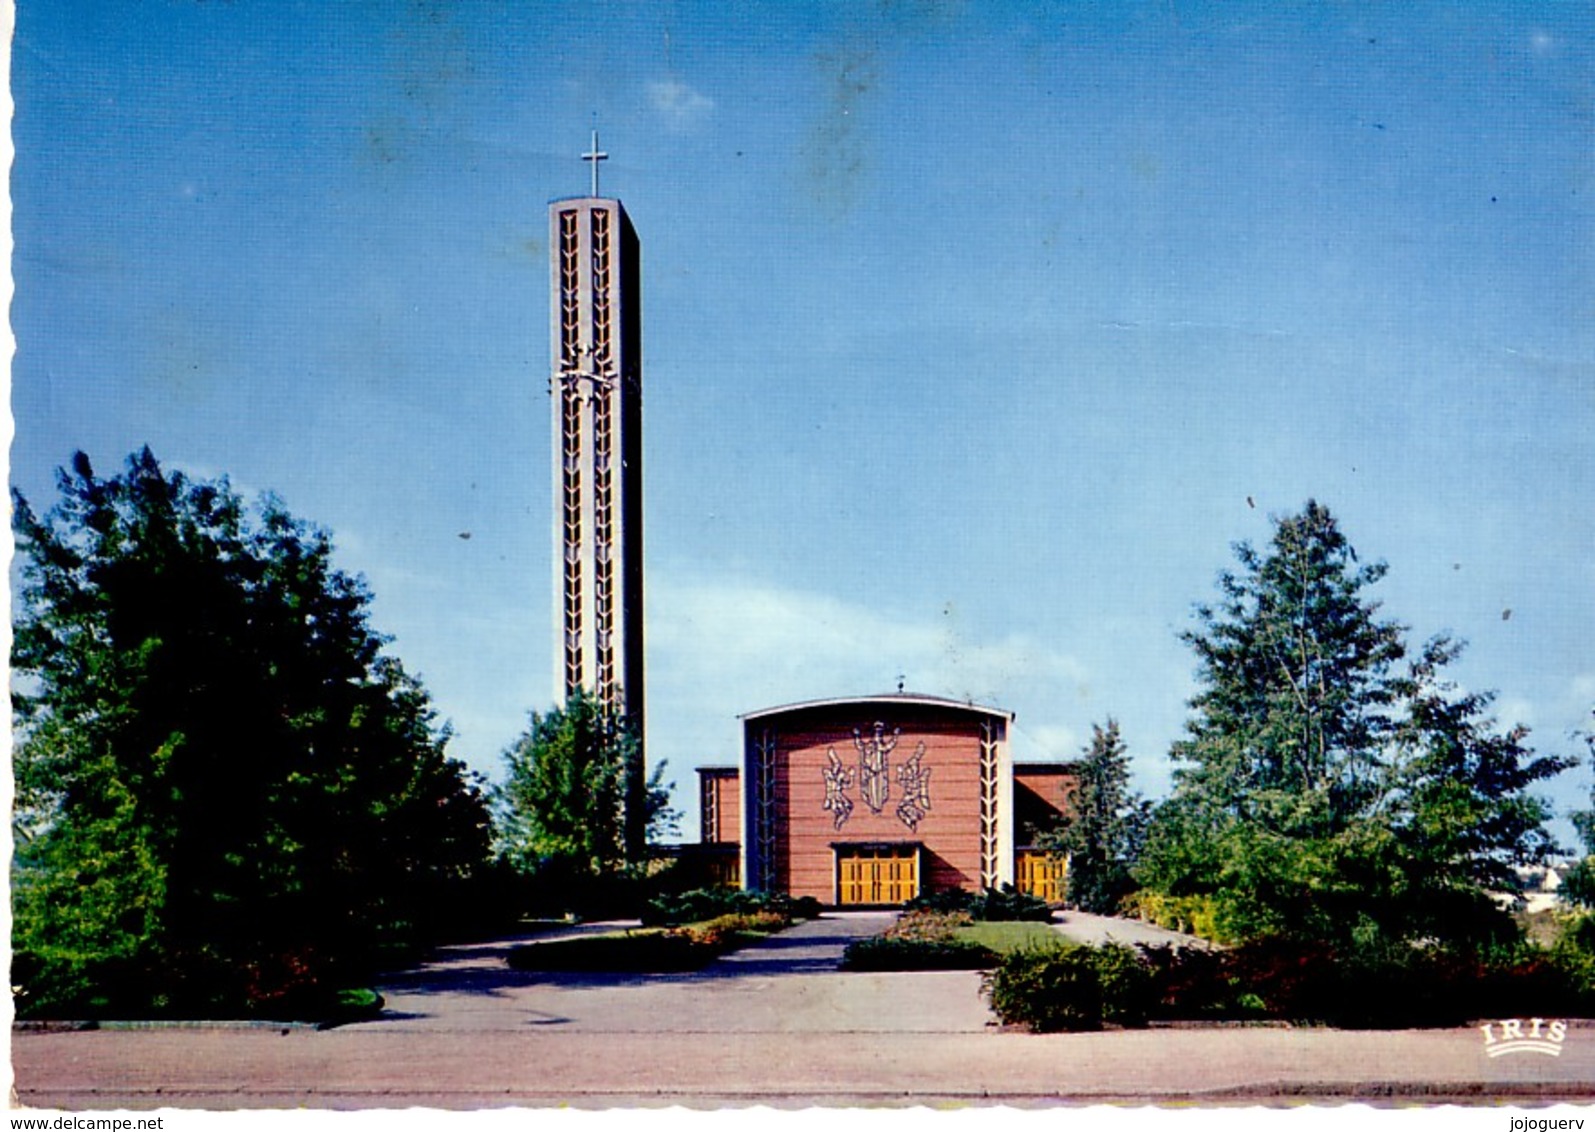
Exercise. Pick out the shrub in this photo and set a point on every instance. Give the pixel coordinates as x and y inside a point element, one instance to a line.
<point>356,1004</point>
<point>722,931</point>
<point>557,886</point>
<point>1577,937</point>
<point>1376,984</point>
<point>1047,991</point>
<point>699,904</point>
<point>927,926</point>
<point>1005,903</point>
<point>942,900</point>
<point>1072,987</point>
<point>1574,953</point>
<point>1193,915</point>
<point>1294,980</point>
<point>886,953</point>
<point>1193,983</point>
<point>1128,993</point>
<point>1303,981</point>
<point>1394,985</point>
<point>683,947</point>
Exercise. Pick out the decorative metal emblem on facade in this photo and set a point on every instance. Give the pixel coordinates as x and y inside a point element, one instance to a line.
<point>874,766</point>
<point>874,779</point>
<point>915,780</point>
<point>838,778</point>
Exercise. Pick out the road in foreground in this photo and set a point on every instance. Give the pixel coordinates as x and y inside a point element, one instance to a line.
<point>775,1025</point>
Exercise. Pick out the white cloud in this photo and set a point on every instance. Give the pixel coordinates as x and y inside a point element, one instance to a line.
<point>1514,711</point>
<point>718,648</point>
<point>1047,743</point>
<point>756,646</point>
<point>1574,709</point>
<point>678,103</point>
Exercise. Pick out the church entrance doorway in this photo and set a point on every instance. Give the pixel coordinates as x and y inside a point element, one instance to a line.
<point>875,875</point>
<point>1039,873</point>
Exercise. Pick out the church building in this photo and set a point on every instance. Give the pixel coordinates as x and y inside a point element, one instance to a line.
<point>858,801</point>
<point>874,800</point>
<point>596,386</point>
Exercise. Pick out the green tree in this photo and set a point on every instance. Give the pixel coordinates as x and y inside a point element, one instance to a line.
<point>1329,787</point>
<point>1104,831</point>
<point>1578,885</point>
<point>1460,810</point>
<point>226,795</point>
<point>563,802</point>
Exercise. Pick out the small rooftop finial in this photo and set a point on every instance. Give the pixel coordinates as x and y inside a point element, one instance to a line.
<point>595,155</point>
<point>901,680</point>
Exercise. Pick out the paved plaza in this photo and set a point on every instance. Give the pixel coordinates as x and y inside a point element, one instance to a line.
<point>775,1024</point>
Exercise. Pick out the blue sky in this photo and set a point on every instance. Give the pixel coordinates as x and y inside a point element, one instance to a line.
<point>974,333</point>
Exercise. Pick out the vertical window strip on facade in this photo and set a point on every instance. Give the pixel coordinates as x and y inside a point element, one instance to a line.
<point>571,445</point>
<point>765,816</point>
<point>603,452</point>
<point>990,785</point>
<point>569,293</point>
<point>709,809</point>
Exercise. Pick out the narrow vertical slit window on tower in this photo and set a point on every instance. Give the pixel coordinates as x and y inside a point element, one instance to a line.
<point>598,595</point>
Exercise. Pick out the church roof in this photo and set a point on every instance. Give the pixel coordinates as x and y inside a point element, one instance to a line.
<point>892,699</point>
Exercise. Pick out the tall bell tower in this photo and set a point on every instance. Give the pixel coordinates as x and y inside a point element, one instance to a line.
<point>596,387</point>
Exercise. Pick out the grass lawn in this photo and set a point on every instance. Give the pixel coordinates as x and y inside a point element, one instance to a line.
<point>924,941</point>
<point>1003,936</point>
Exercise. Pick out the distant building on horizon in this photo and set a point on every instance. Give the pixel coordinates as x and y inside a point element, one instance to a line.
<point>596,389</point>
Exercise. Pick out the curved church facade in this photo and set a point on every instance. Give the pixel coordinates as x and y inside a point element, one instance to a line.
<point>871,801</point>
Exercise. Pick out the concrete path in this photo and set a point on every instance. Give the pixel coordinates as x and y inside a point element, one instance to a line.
<point>1083,927</point>
<point>789,984</point>
<point>774,1025</point>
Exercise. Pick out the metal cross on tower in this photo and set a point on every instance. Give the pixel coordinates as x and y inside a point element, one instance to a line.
<point>595,155</point>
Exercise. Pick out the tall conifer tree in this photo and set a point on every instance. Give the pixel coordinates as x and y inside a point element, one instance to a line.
<point>1106,825</point>
<point>1328,785</point>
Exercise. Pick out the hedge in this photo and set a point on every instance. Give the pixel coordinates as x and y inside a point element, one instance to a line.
<point>1375,987</point>
<point>1005,903</point>
<point>882,953</point>
<point>920,940</point>
<point>701,904</point>
<point>1070,988</point>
